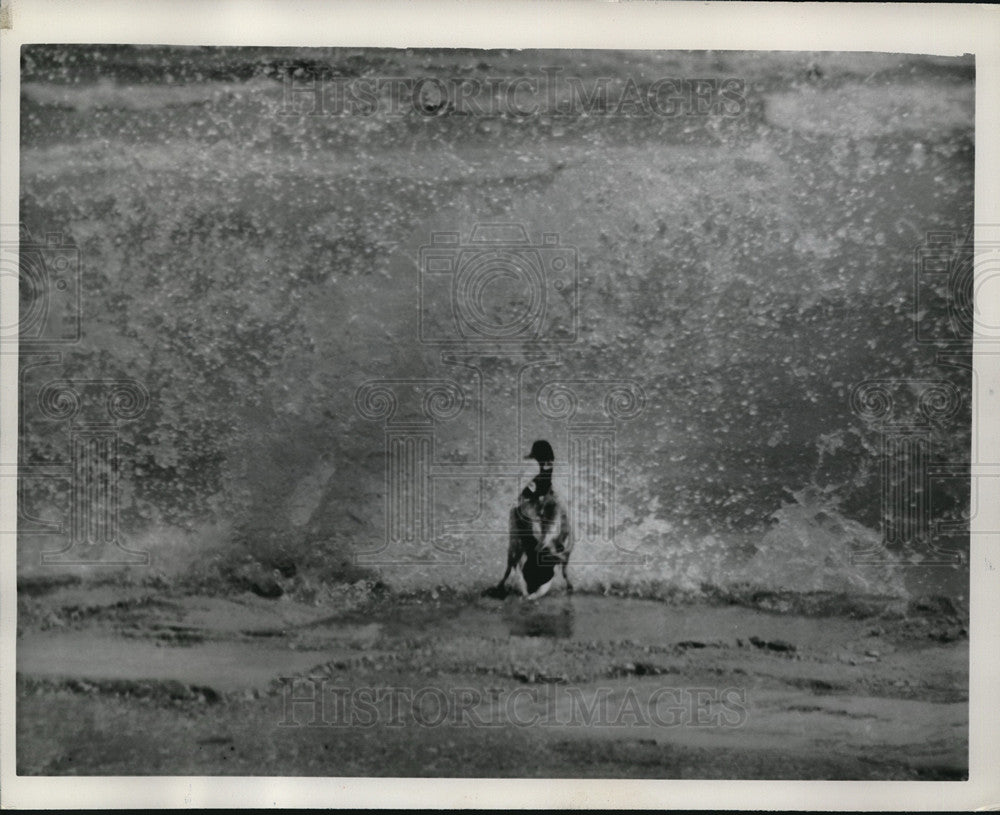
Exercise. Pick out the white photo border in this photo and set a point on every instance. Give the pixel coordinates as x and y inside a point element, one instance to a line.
<point>941,29</point>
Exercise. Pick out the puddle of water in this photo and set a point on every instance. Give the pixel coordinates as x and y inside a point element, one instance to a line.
<point>228,666</point>
<point>224,666</point>
<point>589,618</point>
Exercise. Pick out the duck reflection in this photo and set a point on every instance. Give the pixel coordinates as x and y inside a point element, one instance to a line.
<point>550,619</point>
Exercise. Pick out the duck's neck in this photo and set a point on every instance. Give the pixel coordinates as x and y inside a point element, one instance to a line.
<point>543,482</point>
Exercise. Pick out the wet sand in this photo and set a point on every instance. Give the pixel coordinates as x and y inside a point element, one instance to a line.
<point>165,683</point>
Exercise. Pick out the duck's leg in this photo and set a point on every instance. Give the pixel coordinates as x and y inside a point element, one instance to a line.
<point>542,590</point>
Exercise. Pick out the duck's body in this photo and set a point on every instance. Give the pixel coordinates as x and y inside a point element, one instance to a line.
<point>540,536</point>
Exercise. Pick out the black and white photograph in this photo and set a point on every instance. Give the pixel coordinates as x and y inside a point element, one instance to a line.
<point>454,412</point>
